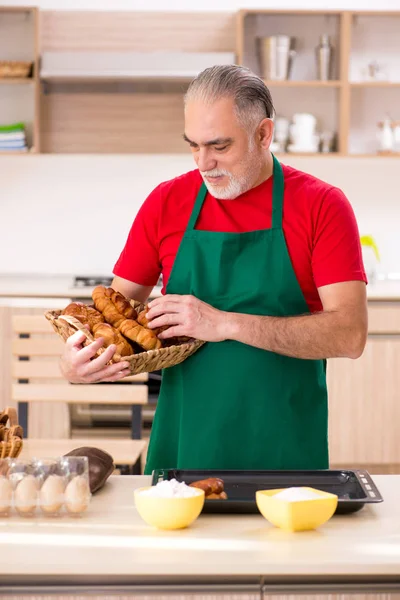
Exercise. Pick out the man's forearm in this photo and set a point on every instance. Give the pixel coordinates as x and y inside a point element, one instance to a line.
<point>316,336</point>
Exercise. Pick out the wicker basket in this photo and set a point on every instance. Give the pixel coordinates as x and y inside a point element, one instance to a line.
<point>15,68</point>
<point>10,437</point>
<point>143,362</point>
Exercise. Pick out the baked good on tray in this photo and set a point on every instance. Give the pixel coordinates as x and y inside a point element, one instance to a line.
<point>213,488</point>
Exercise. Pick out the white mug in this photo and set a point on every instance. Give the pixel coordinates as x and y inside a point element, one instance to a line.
<point>304,119</point>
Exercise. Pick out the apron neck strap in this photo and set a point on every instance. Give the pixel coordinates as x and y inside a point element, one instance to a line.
<point>202,193</point>
<point>278,187</point>
<point>277,199</point>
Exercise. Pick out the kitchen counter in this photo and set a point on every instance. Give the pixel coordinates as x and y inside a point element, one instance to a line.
<point>111,546</point>
<point>61,287</point>
<point>52,289</point>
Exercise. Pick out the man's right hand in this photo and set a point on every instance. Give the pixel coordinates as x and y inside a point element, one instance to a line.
<point>77,366</point>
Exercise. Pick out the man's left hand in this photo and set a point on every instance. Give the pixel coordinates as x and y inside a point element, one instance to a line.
<point>187,316</point>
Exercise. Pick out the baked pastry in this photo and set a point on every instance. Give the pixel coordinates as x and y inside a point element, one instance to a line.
<point>122,305</point>
<point>139,334</point>
<point>113,306</point>
<point>112,336</point>
<point>221,496</point>
<point>142,319</point>
<point>85,314</point>
<point>213,488</point>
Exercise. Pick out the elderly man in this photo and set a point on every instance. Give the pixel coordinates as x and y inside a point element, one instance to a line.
<point>260,260</point>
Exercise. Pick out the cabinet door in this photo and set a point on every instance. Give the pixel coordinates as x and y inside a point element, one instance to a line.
<point>364,406</point>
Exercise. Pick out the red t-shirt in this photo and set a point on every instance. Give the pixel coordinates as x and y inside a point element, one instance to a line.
<point>318,222</point>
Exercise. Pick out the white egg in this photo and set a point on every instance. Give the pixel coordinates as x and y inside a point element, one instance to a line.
<point>51,494</point>
<point>25,495</point>
<point>77,495</point>
<point>5,494</point>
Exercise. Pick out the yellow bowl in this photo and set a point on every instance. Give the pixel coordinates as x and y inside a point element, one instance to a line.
<point>296,516</point>
<point>168,513</point>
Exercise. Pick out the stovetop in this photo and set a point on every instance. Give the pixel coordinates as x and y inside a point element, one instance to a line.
<point>81,281</point>
<point>92,281</point>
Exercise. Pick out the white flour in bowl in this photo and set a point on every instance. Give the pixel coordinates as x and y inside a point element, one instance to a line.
<point>296,494</point>
<point>171,489</point>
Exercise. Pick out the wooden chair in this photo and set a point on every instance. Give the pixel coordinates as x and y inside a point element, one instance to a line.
<point>43,396</point>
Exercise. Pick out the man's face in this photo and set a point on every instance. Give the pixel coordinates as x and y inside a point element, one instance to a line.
<point>228,159</point>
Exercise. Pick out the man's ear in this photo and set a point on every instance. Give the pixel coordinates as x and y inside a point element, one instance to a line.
<point>265,133</point>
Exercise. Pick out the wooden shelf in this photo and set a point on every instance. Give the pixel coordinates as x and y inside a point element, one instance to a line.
<point>89,78</point>
<point>308,154</point>
<point>128,66</point>
<point>376,155</point>
<point>20,96</point>
<point>303,83</point>
<point>127,71</point>
<point>16,80</point>
<point>374,84</point>
<point>13,152</point>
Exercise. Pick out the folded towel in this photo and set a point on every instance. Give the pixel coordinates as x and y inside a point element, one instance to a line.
<point>11,145</point>
<point>22,149</point>
<point>12,128</point>
<point>12,137</point>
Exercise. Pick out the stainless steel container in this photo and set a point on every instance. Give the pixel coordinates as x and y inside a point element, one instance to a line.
<point>324,56</point>
<point>276,56</point>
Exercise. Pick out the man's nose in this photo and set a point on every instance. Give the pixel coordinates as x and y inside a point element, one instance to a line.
<point>204,160</point>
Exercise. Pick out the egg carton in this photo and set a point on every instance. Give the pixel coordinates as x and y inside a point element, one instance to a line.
<point>50,487</point>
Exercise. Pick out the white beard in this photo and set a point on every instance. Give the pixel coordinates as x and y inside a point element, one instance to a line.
<point>236,186</point>
<point>232,190</point>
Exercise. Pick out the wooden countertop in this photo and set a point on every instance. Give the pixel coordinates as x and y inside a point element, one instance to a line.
<point>112,543</point>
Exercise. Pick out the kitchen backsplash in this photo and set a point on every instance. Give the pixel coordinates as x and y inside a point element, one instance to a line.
<point>64,214</point>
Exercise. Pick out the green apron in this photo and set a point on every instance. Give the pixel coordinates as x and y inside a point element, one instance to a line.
<point>230,405</point>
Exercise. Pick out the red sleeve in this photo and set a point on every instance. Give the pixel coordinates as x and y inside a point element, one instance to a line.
<point>139,260</point>
<point>337,252</point>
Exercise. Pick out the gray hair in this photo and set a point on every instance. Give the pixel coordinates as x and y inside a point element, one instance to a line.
<point>251,96</point>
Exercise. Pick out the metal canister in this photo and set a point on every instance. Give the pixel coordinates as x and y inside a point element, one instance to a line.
<point>324,55</point>
<point>275,55</point>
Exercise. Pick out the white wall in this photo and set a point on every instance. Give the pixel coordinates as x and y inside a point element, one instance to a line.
<point>70,214</point>
<point>205,5</point>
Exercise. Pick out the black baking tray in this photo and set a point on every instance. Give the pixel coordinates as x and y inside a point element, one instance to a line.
<point>353,488</point>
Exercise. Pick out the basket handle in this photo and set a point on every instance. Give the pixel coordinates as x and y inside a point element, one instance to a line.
<point>9,414</point>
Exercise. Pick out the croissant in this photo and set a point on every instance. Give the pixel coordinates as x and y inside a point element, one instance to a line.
<point>113,336</point>
<point>142,320</point>
<point>110,303</point>
<point>85,314</point>
<point>123,306</point>
<point>142,336</point>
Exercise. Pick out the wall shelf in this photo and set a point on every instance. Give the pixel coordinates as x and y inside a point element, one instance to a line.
<point>303,83</point>
<point>374,84</point>
<point>20,96</point>
<point>16,80</point>
<point>308,154</point>
<point>363,41</point>
<point>128,66</point>
<point>113,82</point>
<point>89,78</point>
